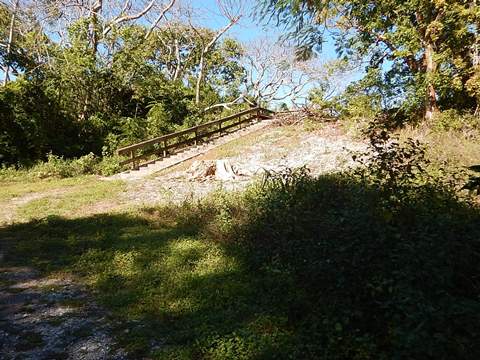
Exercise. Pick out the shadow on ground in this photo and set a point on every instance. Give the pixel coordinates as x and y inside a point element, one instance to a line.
<point>325,268</point>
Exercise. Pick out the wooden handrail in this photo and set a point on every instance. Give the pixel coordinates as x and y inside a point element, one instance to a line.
<point>131,149</point>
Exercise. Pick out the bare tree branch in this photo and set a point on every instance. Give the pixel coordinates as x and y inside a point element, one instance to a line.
<point>160,17</point>
<point>233,12</point>
<point>123,18</point>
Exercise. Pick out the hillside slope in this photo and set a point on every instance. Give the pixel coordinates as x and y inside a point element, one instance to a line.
<point>319,147</point>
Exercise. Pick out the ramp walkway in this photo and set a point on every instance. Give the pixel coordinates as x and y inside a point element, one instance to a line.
<point>154,155</point>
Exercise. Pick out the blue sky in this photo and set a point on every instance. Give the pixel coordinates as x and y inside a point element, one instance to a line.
<point>250,27</point>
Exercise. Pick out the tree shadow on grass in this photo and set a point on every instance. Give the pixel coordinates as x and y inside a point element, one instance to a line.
<point>167,287</point>
<point>316,268</point>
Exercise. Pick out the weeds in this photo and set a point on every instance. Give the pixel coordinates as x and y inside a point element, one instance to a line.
<point>58,167</point>
<point>380,262</point>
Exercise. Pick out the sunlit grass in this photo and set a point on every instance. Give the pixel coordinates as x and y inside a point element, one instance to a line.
<point>21,186</point>
<point>73,202</point>
<point>71,197</point>
<point>157,274</point>
<point>454,147</point>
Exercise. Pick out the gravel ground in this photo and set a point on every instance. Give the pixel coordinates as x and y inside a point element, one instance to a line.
<point>51,318</point>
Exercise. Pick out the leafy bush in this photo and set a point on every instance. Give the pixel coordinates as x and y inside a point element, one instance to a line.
<point>391,165</point>
<point>158,121</point>
<point>58,167</point>
<point>374,278</point>
<point>9,173</point>
<point>454,120</point>
<point>109,165</point>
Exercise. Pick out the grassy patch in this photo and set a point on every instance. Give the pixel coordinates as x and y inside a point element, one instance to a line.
<point>22,186</point>
<point>299,268</point>
<point>454,147</point>
<point>154,270</point>
<point>22,201</point>
<point>76,202</point>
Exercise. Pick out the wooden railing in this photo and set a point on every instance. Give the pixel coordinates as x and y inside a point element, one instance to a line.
<point>162,145</point>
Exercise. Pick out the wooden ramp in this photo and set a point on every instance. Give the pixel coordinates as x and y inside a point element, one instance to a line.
<point>172,149</point>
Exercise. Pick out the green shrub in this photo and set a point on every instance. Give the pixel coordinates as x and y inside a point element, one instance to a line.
<point>454,120</point>
<point>158,121</point>
<point>58,167</point>
<point>374,278</point>
<point>55,166</point>
<point>8,173</point>
<point>85,164</point>
<point>109,165</point>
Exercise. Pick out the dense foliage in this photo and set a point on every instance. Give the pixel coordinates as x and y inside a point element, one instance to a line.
<point>73,97</point>
<point>421,56</point>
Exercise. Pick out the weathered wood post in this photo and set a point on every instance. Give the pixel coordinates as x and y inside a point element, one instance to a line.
<point>132,156</point>
<point>164,148</point>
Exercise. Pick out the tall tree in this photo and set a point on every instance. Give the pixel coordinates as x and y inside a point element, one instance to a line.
<point>232,10</point>
<point>429,41</point>
<point>274,73</point>
<point>9,41</point>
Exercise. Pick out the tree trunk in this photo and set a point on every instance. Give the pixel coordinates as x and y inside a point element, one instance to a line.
<point>176,75</point>
<point>94,11</point>
<point>9,44</point>
<point>199,78</point>
<point>431,107</point>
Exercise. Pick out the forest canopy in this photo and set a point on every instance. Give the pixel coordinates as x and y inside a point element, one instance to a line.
<point>88,77</point>
<point>81,77</point>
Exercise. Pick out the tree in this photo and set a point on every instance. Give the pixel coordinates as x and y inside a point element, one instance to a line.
<point>101,17</point>
<point>8,45</point>
<point>427,41</point>
<point>473,84</point>
<point>274,73</point>
<point>232,10</point>
<point>87,76</point>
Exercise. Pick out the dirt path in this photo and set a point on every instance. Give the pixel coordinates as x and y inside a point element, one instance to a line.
<point>51,318</point>
<point>9,208</point>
